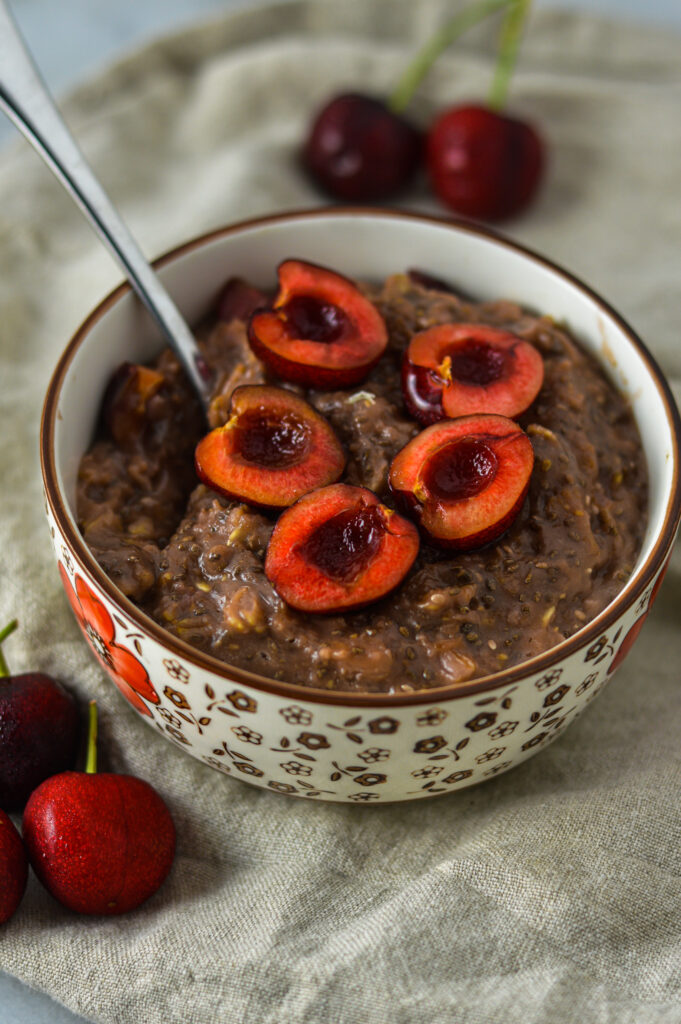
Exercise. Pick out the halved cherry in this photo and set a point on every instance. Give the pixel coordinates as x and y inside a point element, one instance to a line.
<point>238,300</point>
<point>464,480</point>
<point>125,400</point>
<point>339,548</point>
<point>274,448</point>
<point>321,330</point>
<point>460,369</point>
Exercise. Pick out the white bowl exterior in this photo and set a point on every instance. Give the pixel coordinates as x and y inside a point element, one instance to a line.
<point>419,750</point>
<point>304,747</point>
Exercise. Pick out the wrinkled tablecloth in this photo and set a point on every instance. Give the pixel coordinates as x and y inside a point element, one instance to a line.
<point>550,894</point>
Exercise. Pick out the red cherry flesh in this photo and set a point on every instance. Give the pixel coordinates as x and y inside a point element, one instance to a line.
<point>99,843</point>
<point>358,150</point>
<point>13,868</point>
<point>273,449</point>
<point>459,369</point>
<point>339,548</point>
<point>464,480</point>
<point>321,332</point>
<point>482,163</point>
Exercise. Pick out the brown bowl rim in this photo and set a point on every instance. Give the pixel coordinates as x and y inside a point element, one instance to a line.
<point>293,691</point>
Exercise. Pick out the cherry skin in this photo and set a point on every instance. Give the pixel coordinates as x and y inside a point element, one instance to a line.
<point>39,729</point>
<point>99,843</point>
<point>13,868</point>
<point>39,733</point>
<point>238,300</point>
<point>358,150</point>
<point>482,163</point>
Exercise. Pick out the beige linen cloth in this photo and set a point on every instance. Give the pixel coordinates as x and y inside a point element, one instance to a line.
<point>551,894</point>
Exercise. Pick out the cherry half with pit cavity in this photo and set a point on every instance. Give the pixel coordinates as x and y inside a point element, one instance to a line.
<point>460,369</point>
<point>464,480</point>
<point>321,331</point>
<point>273,449</point>
<point>337,549</point>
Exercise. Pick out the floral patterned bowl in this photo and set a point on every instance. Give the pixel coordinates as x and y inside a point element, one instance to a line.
<point>346,746</point>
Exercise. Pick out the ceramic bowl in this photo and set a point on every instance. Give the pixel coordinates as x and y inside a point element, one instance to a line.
<point>342,746</point>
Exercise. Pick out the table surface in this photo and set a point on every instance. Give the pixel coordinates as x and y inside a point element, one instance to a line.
<point>72,40</point>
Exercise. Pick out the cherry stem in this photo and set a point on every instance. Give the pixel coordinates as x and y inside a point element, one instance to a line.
<point>4,633</point>
<point>444,37</point>
<point>91,761</point>
<point>509,44</point>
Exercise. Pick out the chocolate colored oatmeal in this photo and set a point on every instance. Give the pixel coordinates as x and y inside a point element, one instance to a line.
<point>193,560</point>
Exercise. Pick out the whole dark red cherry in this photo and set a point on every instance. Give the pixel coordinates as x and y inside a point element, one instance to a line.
<point>13,868</point>
<point>359,150</point>
<point>39,727</point>
<point>482,163</point>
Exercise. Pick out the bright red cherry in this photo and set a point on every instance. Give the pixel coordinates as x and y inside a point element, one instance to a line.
<point>358,150</point>
<point>99,843</point>
<point>482,163</point>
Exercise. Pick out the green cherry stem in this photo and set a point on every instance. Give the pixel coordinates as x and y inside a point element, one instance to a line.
<point>509,44</point>
<point>91,760</point>
<point>443,38</point>
<point>4,633</point>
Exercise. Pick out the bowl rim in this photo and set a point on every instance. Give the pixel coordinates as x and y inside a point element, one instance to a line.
<point>631,591</point>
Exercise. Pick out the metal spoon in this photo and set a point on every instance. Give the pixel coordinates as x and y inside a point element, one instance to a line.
<point>25,99</point>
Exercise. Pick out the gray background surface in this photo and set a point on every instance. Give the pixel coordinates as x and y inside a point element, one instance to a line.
<point>73,39</point>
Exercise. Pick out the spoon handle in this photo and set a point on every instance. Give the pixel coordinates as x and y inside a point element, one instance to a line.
<point>26,100</point>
